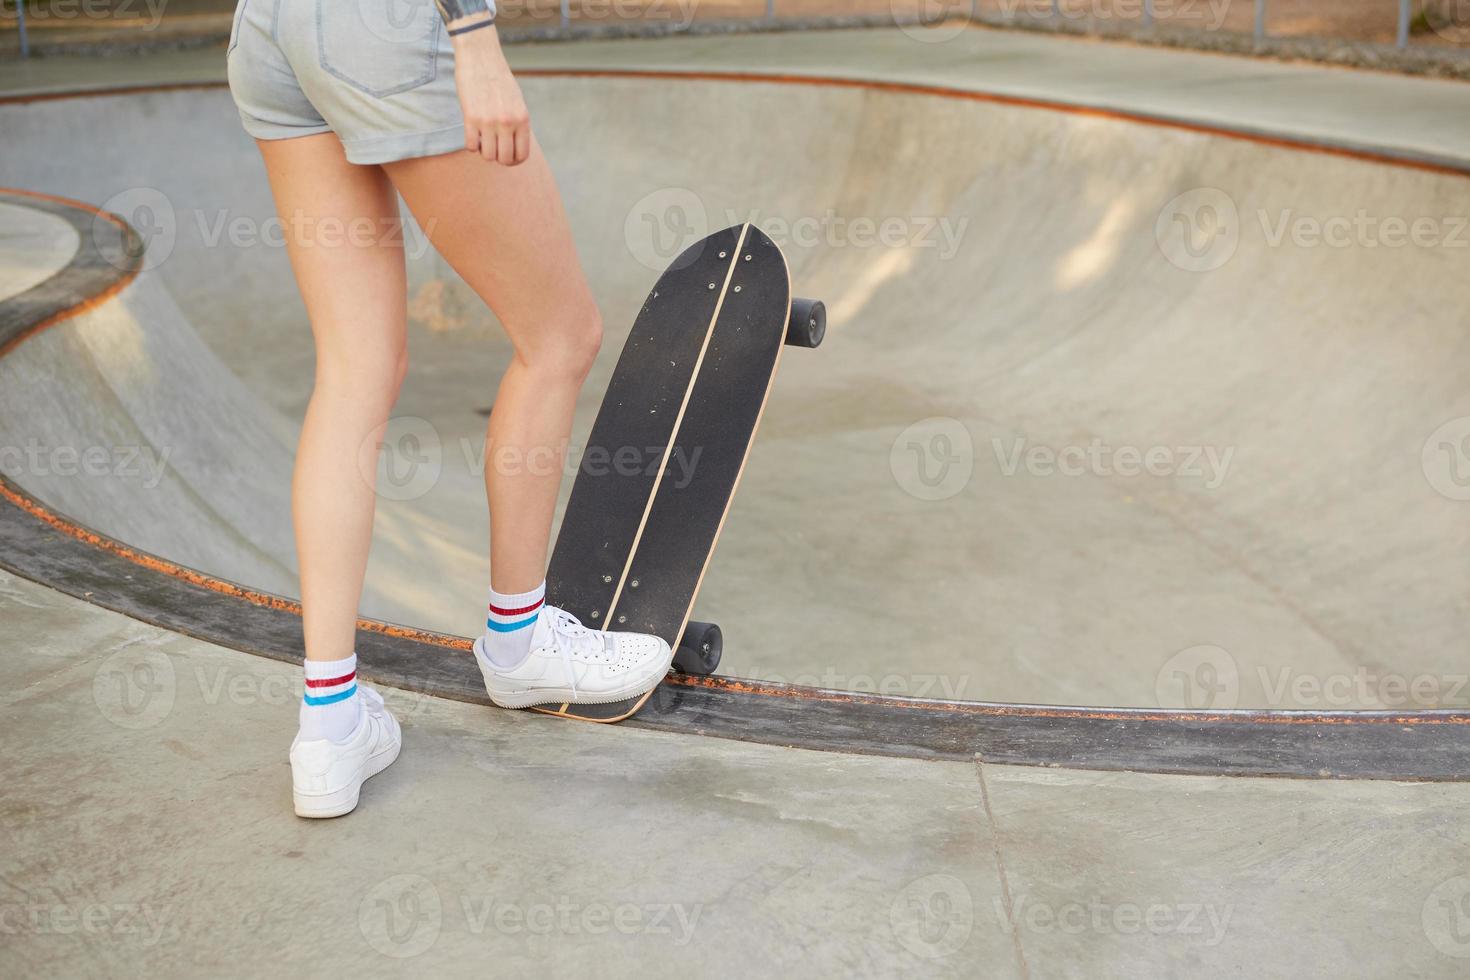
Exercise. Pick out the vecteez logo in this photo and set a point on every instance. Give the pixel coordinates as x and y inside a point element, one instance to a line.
<point>933,459</point>
<point>1445,459</point>
<point>662,224</point>
<point>1199,230</point>
<point>151,214</point>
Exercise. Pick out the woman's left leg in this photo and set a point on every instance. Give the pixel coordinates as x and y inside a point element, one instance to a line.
<point>340,224</point>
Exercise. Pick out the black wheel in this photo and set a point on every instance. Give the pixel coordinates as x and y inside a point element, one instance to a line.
<point>808,323</point>
<point>699,649</point>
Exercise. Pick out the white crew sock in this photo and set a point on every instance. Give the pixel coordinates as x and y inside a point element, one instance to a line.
<point>510,624</point>
<point>331,706</point>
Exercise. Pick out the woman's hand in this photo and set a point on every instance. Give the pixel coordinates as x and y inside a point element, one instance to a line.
<point>496,123</point>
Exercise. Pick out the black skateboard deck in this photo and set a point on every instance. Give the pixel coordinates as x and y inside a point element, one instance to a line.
<point>666,452</point>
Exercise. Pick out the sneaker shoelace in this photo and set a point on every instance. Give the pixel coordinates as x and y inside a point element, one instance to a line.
<point>573,640</point>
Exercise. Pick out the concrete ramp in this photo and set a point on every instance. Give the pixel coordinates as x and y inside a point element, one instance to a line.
<point>197,480</point>
<point>1100,419</point>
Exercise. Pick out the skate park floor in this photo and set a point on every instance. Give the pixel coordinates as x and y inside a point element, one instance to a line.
<point>155,835</point>
<point>522,842</point>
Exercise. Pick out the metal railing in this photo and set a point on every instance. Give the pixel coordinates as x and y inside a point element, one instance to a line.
<point>20,22</point>
<point>1401,37</point>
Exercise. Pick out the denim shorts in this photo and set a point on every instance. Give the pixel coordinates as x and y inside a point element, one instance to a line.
<point>378,73</point>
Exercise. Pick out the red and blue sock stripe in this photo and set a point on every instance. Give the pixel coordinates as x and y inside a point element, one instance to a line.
<point>508,619</point>
<point>330,690</point>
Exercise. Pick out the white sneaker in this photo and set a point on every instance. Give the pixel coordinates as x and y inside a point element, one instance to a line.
<point>327,776</point>
<point>572,664</point>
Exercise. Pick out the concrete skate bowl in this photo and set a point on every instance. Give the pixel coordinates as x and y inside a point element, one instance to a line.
<point>1109,459</point>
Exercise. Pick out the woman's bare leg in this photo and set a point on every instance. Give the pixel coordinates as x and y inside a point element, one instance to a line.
<point>504,231</point>
<point>338,221</point>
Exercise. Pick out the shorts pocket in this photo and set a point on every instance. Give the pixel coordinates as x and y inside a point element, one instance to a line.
<point>380,47</point>
<point>235,27</point>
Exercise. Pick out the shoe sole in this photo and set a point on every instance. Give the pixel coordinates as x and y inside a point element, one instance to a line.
<point>562,695</point>
<point>344,801</point>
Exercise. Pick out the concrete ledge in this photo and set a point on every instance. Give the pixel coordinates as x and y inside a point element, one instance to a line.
<point>1413,60</point>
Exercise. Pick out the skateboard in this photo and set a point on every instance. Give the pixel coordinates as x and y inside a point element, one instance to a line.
<point>670,441</point>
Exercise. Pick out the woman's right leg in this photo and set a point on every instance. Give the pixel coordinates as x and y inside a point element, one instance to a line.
<point>339,221</point>
<point>504,231</point>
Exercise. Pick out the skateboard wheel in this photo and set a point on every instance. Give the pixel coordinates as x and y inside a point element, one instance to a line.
<point>808,323</point>
<point>699,649</point>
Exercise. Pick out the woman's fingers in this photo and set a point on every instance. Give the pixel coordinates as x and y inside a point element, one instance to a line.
<point>505,142</point>
<point>488,148</point>
<point>523,142</point>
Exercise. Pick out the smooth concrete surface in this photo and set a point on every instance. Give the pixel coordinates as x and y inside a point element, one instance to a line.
<point>34,246</point>
<point>203,481</point>
<point>1142,875</point>
<point>904,523</point>
<point>148,830</point>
